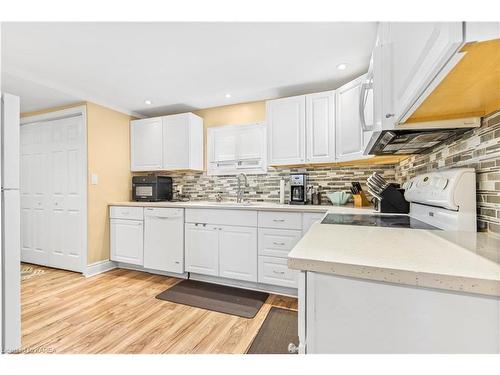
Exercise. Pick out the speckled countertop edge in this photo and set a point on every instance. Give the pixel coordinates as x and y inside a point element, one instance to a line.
<point>403,277</point>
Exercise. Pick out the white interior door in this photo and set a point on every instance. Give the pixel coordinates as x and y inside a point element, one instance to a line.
<point>238,253</point>
<point>35,175</point>
<point>66,199</point>
<point>53,193</point>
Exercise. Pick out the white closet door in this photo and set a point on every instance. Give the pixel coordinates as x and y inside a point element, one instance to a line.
<point>34,189</point>
<point>67,193</point>
<point>53,193</point>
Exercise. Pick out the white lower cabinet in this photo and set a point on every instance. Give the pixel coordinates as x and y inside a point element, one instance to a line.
<point>126,241</point>
<point>222,250</point>
<point>340,315</point>
<point>238,253</point>
<point>277,242</point>
<point>202,248</point>
<point>275,271</point>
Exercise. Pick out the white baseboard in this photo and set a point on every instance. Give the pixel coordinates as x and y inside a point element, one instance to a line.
<point>274,289</point>
<point>134,267</point>
<point>99,267</point>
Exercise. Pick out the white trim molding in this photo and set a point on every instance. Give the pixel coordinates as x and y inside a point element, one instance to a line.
<point>99,267</point>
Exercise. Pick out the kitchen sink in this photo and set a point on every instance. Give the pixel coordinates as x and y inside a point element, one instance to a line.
<point>232,203</point>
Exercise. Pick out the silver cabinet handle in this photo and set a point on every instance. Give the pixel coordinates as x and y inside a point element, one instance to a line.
<point>278,220</point>
<point>279,243</point>
<point>389,115</point>
<point>365,86</point>
<point>279,272</point>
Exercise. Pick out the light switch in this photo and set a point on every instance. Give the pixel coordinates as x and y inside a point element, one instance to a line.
<point>94,179</point>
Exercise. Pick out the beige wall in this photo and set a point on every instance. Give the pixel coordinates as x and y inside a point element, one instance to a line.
<point>109,158</point>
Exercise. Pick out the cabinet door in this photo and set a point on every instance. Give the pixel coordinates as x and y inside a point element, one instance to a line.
<point>223,145</point>
<point>349,133</point>
<point>164,240</point>
<point>127,241</point>
<point>320,125</point>
<point>202,249</point>
<point>419,50</point>
<point>176,142</point>
<point>146,138</point>
<point>286,130</point>
<point>238,253</point>
<point>250,142</point>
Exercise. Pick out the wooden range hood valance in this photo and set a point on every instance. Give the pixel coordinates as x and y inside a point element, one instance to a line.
<point>471,88</point>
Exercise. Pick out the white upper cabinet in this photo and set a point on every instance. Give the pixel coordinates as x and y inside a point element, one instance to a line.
<point>183,142</point>
<point>237,148</point>
<point>320,127</point>
<point>222,145</point>
<point>167,143</point>
<point>146,137</point>
<point>418,52</point>
<point>286,130</point>
<point>348,127</point>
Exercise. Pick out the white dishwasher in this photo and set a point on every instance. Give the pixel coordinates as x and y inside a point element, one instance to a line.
<point>164,239</point>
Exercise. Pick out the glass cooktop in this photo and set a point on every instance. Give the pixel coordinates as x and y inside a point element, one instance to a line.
<point>393,221</point>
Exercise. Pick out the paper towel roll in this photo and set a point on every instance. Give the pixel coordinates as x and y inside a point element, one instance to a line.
<point>282,191</point>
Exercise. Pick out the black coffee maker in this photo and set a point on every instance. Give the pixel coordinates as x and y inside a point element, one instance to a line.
<point>298,189</point>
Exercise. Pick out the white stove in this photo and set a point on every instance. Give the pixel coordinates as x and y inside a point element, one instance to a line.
<point>438,200</point>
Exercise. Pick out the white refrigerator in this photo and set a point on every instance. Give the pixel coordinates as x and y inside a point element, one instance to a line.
<point>10,223</point>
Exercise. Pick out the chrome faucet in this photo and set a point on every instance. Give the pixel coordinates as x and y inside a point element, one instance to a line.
<point>241,190</point>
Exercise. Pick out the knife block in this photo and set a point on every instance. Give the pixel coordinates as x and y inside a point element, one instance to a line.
<point>360,200</point>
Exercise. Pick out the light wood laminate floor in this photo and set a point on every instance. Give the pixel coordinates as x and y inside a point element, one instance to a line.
<point>117,312</point>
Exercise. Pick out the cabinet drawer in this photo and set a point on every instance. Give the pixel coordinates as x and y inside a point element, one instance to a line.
<point>126,212</point>
<point>274,271</point>
<point>222,217</point>
<point>277,242</point>
<point>280,220</point>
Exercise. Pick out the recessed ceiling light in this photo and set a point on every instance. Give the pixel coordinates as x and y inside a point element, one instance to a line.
<point>148,102</point>
<point>227,96</point>
<point>342,66</point>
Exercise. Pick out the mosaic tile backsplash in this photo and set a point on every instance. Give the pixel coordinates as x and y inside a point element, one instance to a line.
<point>265,187</point>
<point>479,149</point>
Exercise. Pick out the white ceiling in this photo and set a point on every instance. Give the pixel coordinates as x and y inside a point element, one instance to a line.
<point>178,66</point>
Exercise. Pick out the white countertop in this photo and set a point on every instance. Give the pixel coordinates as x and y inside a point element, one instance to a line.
<point>256,206</point>
<point>460,261</point>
